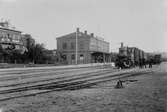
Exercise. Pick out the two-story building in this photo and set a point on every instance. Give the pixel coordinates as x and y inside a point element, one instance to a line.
<point>10,39</point>
<point>86,47</point>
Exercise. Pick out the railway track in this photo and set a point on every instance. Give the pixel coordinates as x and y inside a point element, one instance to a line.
<point>57,79</point>
<point>66,84</point>
<point>42,78</point>
<point>34,70</point>
<point>29,72</point>
<point>39,74</point>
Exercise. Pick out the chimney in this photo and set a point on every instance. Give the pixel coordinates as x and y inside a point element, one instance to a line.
<point>85,32</point>
<point>92,34</point>
<point>77,29</point>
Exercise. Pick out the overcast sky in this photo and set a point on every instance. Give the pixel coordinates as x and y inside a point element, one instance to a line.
<point>140,23</point>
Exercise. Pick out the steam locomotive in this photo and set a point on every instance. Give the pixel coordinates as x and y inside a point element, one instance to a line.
<point>131,56</point>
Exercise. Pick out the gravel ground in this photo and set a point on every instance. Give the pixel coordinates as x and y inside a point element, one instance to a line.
<point>144,93</point>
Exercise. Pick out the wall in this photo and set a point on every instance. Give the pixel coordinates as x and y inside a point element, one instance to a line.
<point>10,36</point>
<point>87,44</point>
<point>83,47</point>
<point>98,45</point>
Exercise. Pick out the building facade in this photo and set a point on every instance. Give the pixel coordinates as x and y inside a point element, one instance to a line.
<point>10,39</point>
<point>90,49</point>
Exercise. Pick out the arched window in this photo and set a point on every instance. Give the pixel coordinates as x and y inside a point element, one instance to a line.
<point>81,57</point>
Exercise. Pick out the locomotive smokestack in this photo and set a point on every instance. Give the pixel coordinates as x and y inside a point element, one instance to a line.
<point>122,44</point>
<point>85,32</point>
<point>92,34</point>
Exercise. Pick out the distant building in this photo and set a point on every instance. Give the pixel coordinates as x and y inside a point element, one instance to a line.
<point>51,56</point>
<point>91,49</point>
<point>10,39</point>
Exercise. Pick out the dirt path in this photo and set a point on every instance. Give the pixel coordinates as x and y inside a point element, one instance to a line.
<point>144,93</point>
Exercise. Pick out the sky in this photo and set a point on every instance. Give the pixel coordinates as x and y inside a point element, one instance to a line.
<point>139,23</point>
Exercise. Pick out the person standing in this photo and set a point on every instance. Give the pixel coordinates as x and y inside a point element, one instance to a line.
<point>150,63</point>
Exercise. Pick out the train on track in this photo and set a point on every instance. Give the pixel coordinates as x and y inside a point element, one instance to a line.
<point>131,56</point>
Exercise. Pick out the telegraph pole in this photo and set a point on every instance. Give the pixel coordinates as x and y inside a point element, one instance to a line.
<point>76,51</point>
<point>104,53</point>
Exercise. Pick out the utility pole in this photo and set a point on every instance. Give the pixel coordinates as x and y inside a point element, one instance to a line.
<point>76,51</point>
<point>104,53</point>
<point>104,58</point>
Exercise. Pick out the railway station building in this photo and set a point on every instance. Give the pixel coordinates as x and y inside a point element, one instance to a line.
<point>90,49</point>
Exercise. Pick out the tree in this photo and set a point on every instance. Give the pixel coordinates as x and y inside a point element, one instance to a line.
<point>36,54</point>
<point>1,53</point>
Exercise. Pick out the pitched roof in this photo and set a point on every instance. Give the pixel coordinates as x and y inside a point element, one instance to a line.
<point>10,29</point>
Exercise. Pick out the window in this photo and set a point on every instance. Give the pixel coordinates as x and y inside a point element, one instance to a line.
<point>9,37</point>
<point>72,45</point>
<point>64,45</point>
<point>81,57</point>
<point>2,39</point>
<point>81,45</point>
<point>72,57</point>
<point>64,57</point>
